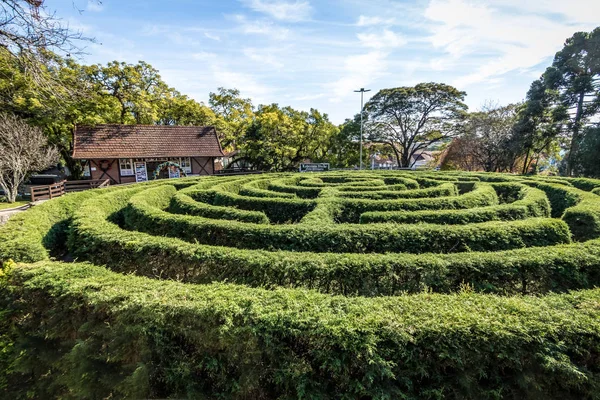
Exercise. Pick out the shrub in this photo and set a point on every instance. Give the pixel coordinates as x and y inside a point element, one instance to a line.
<point>481,195</point>
<point>308,297</point>
<point>532,203</point>
<point>184,204</point>
<point>134,337</point>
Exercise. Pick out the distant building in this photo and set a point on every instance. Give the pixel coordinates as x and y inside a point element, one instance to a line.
<point>130,153</point>
<point>422,159</point>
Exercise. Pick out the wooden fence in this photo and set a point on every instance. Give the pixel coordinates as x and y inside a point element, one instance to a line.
<point>46,192</point>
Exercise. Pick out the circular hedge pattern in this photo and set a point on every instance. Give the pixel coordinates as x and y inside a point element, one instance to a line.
<point>372,284</point>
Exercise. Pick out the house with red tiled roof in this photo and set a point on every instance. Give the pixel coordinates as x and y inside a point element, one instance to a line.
<point>134,153</point>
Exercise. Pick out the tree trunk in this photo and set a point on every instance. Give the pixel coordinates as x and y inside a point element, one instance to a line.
<point>576,130</point>
<point>525,162</point>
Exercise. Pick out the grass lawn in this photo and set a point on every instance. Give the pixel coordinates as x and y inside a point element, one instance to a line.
<point>4,205</point>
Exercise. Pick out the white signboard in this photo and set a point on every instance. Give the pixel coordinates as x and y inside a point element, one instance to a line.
<point>314,167</point>
<point>141,175</point>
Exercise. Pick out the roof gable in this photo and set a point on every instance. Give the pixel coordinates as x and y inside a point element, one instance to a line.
<point>140,141</point>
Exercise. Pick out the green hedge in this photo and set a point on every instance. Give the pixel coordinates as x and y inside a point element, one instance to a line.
<point>327,210</point>
<point>584,218</point>
<point>289,185</point>
<point>596,191</point>
<point>482,195</point>
<point>531,203</point>
<point>40,232</point>
<point>278,210</point>
<point>447,189</point>
<point>144,213</point>
<point>578,208</point>
<point>184,204</point>
<point>534,270</point>
<point>586,184</point>
<point>91,333</point>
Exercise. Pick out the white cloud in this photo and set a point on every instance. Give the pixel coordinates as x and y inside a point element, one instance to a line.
<point>263,56</point>
<point>282,10</point>
<point>260,27</point>
<point>374,21</point>
<point>212,36</point>
<point>245,83</point>
<point>359,71</point>
<point>309,97</point>
<point>204,55</point>
<point>94,6</point>
<point>385,39</point>
<point>493,40</point>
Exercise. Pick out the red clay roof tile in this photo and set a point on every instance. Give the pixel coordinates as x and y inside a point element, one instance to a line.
<point>139,141</point>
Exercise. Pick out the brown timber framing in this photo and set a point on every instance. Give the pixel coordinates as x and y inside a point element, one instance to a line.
<point>104,147</point>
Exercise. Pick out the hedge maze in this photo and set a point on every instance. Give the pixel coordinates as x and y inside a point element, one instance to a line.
<point>328,285</point>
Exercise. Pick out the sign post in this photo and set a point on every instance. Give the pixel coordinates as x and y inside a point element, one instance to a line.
<point>141,175</point>
<point>314,167</point>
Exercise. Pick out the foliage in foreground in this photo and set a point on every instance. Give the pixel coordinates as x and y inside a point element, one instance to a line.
<point>102,334</point>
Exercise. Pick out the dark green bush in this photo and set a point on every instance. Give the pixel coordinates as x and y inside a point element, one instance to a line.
<point>144,213</point>
<point>532,203</point>
<point>98,334</point>
<point>447,189</point>
<point>80,331</point>
<point>278,210</point>
<point>184,204</point>
<point>482,195</point>
<point>534,270</point>
<point>586,184</point>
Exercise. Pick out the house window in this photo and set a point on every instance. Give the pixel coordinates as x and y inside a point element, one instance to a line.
<point>86,170</point>
<point>126,167</point>
<point>186,165</point>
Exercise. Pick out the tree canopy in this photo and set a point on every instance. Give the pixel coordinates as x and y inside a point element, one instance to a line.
<point>410,119</point>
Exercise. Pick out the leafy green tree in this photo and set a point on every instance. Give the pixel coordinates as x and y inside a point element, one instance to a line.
<point>234,115</point>
<point>178,109</point>
<point>410,119</point>
<point>538,128</point>
<point>343,150</point>
<point>575,79</point>
<point>279,139</point>
<point>587,163</point>
<point>486,141</point>
<point>135,91</point>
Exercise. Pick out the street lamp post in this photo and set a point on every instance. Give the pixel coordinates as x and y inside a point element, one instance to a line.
<point>362,92</point>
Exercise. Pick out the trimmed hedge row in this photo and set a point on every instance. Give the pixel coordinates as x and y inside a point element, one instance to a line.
<point>289,185</point>
<point>447,189</point>
<point>184,204</point>
<point>278,210</point>
<point>99,334</point>
<point>578,208</point>
<point>482,195</point>
<point>327,210</point>
<point>533,270</point>
<point>144,213</point>
<point>27,236</point>
<point>531,203</point>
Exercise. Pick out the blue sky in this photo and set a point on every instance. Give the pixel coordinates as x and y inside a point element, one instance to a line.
<point>314,53</point>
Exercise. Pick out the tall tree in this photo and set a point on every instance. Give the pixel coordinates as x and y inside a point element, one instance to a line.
<point>278,139</point>
<point>410,119</point>
<point>485,143</point>
<point>538,127</point>
<point>32,35</point>
<point>234,115</point>
<point>575,76</point>
<point>136,90</point>
<point>24,149</point>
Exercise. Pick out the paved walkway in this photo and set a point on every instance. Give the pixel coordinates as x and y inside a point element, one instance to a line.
<point>5,214</point>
